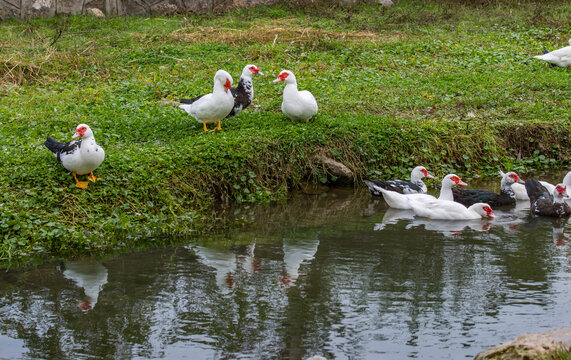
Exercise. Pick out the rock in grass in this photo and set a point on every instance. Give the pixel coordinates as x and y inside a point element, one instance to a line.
<point>343,174</point>
<point>386,3</point>
<point>530,346</point>
<point>95,12</point>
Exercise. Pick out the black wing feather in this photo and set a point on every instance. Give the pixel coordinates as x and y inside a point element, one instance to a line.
<point>190,101</point>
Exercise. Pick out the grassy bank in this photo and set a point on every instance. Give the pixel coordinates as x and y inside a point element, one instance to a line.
<point>449,86</point>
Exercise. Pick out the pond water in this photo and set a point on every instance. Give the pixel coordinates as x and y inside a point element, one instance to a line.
<point>336,274</point>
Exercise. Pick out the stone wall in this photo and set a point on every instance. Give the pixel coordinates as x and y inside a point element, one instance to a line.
<point>26,9</point>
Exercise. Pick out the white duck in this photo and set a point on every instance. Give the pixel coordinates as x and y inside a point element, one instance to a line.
<point>297,105</point>
<point>213,107</point>
<point>560,57</point>
<point>81,156</point>
<point>450,210</point>
<point>521,192</point>
<point>402,201</point>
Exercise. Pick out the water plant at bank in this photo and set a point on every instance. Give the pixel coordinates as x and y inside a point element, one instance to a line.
<point>421,83</point>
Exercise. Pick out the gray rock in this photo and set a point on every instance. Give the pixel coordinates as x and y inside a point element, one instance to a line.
<point>343,174</point>
<point>95,12</point>
<point>530,346</point>
<point>386,3</point>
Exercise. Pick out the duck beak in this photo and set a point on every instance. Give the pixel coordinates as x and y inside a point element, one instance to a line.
<point>277,80</point>
<point>429,176</point>
<point>520,181</point>
<point>260,73</point>
<point>76,135</point>
<point>462,183</point>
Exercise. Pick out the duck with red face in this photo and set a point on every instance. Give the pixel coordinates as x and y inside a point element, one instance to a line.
<point>544,204</point>
<point>296,105</point>
<point>81,156</point>
<point>213,107</point>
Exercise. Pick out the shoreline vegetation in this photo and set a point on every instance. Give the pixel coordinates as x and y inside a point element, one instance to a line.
<point>445,84</point>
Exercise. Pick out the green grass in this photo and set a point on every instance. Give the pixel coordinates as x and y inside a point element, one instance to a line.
<point>396,88</point>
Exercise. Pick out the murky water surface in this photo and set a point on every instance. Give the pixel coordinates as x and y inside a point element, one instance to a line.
<point>337,274</point>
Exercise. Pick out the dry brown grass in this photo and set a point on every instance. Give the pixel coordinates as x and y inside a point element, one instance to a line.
<point>275,31</point>
<point>17,72</point>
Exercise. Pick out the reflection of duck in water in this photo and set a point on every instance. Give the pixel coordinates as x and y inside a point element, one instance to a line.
<point>450,227</point>
<point>223,261</point>
<point>559,236</point>
<point>91,276</point>
<point>392,216</point>
<point>297,251</point>
<point>248,261</point>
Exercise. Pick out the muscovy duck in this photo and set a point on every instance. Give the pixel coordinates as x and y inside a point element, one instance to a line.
<point>243,93</point>
<point>560,57</point>
<point>521,192</point>
<point>402,201</point>
<point>544,204</point>
<point>450,210</point>
<point>414,186</point>
<point>81,156</point>
<point>506,196</point>
<point>213,107</point>
<point>296,105</point>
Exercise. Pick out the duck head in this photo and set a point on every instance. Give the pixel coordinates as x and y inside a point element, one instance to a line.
<point>250,70</point>
<point>82,131</point>
<point>421,172</point>
<point>222,77</point>
<point>512,178</point>
<point>483,209</point>
<point>451,180</point>
<point>286,76</point>
<point>560,191</point>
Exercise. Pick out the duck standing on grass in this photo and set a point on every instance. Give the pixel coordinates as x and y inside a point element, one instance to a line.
<point>81,156</point>
<point>560,57</point>
<point>213,107</point>
<point>297,105</point>
<point>243,94</point>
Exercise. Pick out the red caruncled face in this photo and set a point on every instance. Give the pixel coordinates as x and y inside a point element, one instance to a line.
<point>81,131</point>
<point>488,210</point>
<point>283,76</point>
<point>561,189</point>
<point>254,69</point>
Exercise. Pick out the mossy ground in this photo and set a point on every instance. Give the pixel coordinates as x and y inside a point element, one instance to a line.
<point>449,85</point>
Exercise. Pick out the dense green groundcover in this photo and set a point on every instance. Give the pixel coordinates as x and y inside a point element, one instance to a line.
<point>451,86</point>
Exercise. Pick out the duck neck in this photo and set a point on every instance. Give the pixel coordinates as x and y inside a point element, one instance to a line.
<point>218,88</point>
<point>506,188</point>
<point>245,86</point>
<point>446,192</point>
<point>558,199</point>
<point>290,89</point>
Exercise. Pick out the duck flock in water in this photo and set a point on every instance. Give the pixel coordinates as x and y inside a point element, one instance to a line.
<point>83,156</point>
<point>467,204</point>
